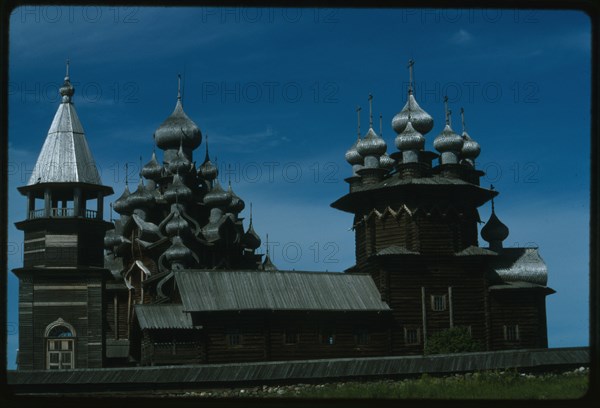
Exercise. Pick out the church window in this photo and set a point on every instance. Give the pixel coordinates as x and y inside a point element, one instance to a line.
<point>60,346</point>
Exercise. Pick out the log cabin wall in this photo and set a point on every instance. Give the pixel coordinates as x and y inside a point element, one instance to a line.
<point>259,336</point>
<point>412,282</point>
<point>518,319</point>
<point>73,296</point>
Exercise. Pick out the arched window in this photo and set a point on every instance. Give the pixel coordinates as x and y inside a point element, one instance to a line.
<point>60,345</point>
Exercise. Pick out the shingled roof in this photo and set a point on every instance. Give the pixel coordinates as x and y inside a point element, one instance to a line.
<point>161,316</point>
<point>522,265</point>
<point>204,291</point>
<point>65,156</point>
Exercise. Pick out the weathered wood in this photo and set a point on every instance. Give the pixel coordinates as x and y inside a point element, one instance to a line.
<point>241,374</point>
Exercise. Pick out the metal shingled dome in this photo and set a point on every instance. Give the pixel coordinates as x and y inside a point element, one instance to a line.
<point>410,139</point>
<point>178,128</point>
<point>421,120</point>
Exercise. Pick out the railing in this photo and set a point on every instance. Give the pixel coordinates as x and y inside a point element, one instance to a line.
<point>33,214</point>
<point>60,213</point>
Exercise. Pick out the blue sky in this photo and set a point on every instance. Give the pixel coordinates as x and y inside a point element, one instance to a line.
<point>276,91</point>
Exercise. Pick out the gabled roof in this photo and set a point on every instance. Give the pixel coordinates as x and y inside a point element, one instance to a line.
<point>163,316</point>
<point>65,155</point>
<point>520,265</point>
<point>206,291</point>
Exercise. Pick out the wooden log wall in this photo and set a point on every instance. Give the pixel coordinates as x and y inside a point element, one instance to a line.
<point>262,337</point>
<point>525,308</point>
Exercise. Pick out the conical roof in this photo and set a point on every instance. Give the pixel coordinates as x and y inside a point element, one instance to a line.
<point>65,156</point>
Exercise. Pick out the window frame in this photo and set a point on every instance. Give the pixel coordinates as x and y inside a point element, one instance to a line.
<point>512,333</point>
<point>233,337</point>
<point>417,331</point>
<point>60,347</point>
<point>443,299</point>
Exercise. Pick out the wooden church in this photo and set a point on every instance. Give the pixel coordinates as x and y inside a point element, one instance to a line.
<point>177,279</point>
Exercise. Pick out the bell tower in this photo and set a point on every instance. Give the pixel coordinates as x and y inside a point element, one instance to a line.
<point>61,281</point>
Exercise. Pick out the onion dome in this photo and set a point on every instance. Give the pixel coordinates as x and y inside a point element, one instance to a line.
<point>471,148</point>
<point>371,144</point>
<point>180,163</point>
<point>178,253</point>
<point>177,191</point>
<point>250,238</point>
<point>217,197</point>
<point>494,229</point>
<point>410,138</point>
<point>122,205</point>
<point>267,264</point>
<point>236,205</point>
<point>178,128</point>
<point>152,170</point>
<point>448,141</point>
<point>67,90</point>
<point>386,161</point>
<point>352,156</point>
<point>177,225</point>
<point>208,170</point>
<point>141,197</point>
<point>421,120</point>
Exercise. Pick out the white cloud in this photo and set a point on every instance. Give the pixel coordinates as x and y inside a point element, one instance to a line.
<point>461,37</point>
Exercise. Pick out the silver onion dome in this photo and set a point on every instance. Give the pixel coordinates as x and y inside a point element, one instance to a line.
<point>410,138</point>
<point>217,197</point>
<point>352,156</point>
<point>180,163</point>
<point>386,161</point>
<point>178,253</point>
<point>141,197</point>
<point>152,170</point>
<point>177,225</point>
<point>122,205</point>
<point>421,121</point>
<point>178,128</point>
<point>236,205</point>
<point>448,141</point>
<point>250,239</point>
<point>208,170</point>
<point>177,191</point>
<point>470,149</point>
<point>371,144</point>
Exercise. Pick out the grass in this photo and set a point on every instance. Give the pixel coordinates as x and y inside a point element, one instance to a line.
<point>488,385</point>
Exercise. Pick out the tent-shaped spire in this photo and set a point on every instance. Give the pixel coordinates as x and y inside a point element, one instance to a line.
<point>65,156</point>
